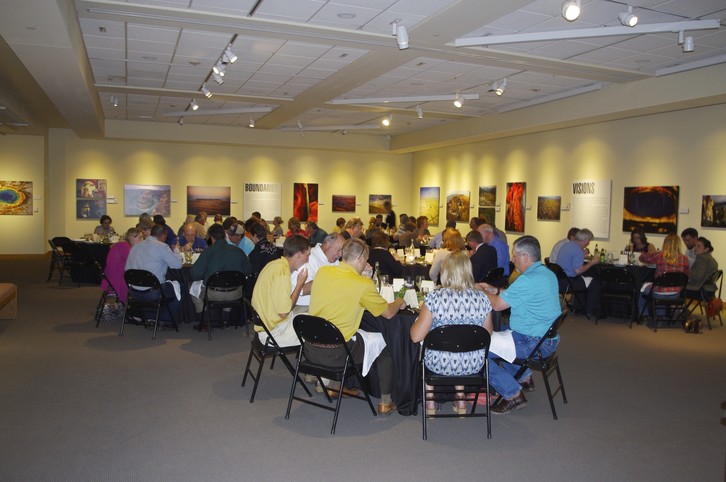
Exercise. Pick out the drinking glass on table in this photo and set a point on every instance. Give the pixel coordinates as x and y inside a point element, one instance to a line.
<point>385,280</point>
<point>408,281</point>
<point>419,281</point>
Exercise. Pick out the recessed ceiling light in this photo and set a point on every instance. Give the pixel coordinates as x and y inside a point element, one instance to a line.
<point>195,63</point>
<point>346,15</point>
<point>148,57</point>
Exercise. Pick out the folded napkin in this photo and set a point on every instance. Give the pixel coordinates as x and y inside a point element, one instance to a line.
<point>502,345</point>
<point>374,345</point>
<point>196,289</point>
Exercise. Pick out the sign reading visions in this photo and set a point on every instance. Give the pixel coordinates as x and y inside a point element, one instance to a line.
<point>590,206</point>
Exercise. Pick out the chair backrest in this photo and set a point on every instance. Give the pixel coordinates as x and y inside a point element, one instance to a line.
<point>493,276</point>
<point>716,279</point>
<point>226,280</point>
<point>140,278</point>
<point>555,327</point>
<point>67,245</point>
<point>317,330</point>
<point>673,279</point>
<point>557,270</point>
<point>457,338</point>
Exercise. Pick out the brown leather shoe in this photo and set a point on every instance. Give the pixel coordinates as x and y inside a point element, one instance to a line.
<point>386,408</point>
<point>527,385</point>
<point>506,406</point>
<point>351,392</point>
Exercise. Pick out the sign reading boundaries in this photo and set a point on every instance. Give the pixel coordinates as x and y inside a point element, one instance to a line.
<point>264,197</point>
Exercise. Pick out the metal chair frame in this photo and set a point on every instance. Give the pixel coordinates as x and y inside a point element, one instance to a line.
<point>144,279</point>
<point>105,293</point>
<point>706,296</point>
<point>675,305</point>
<point>568,290</point>
<point>224,281</point>
<point>618,284</point>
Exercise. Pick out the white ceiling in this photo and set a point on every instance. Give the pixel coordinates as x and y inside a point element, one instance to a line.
<point>295,56</point>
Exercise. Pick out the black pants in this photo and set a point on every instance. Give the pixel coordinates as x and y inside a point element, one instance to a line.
<point>335,357</point>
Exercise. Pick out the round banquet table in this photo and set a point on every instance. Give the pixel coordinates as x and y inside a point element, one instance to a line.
<point>404,354</point>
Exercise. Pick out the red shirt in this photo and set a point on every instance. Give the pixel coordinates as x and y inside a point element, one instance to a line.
<point>661,266</point>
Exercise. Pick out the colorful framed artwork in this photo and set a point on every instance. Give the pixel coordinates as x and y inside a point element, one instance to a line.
<point>548,208</point>
<point>90,198</point>
<point>210,199</point>
<point>487,213</point>
<point>376,202</point>
<point>653,208</point>
<point>713,211</point>
<point>305,201</point>
<point>16,198</point>
<point>90,208</point>
<point>487,195</point>
<point>343,203</point>
<point>150,199</point>
<point>457,206</point>
<point>428,204</point>
<point>516,204</point>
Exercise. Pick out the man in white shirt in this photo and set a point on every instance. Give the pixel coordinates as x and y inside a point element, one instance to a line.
<point>326,253</point>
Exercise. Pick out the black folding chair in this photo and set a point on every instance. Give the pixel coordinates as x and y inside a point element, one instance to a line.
<point>259,351</point>
<point>318,331</point>
<point>64,252</point>
<point>669,307</point>
<point>494,277</point>
<point>569,294</point>
<point>224,281</point>
<point>545,364</point>
<point>56,256</point>
<point>458,339</point>
<point>138,305</point>
<point>105,292</point>
<point>704,297</point>
<point>617,290</point>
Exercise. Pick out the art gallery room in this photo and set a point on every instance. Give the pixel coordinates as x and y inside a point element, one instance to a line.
<point>613,120</point>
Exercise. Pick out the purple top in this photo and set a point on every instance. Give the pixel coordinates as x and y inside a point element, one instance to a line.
<point>115,268</point>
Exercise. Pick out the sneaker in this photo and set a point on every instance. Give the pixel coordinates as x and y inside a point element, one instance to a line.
<point>527,385</point>
<point>506,406</point>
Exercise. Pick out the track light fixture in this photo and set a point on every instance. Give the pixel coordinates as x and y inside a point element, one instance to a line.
<point>114,101</point>
<point>458,101</point>
<point>228,55</point>
<point>219,68</point>
<point>205,90</point>
<point>252,122</point>
<point>401,34</point>
<point>181,121</point>
<point>386,121</point>
<point>687,42</point>
<point>571,10</point>
<point>419,111</point>
<point>627,18</point>
<point>217,78</point>
<point>193,105</point>
<point>499,86</point>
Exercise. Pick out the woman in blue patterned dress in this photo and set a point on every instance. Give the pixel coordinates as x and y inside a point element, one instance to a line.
<point>458,302</point>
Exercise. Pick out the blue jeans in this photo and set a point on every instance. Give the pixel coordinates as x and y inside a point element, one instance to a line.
<point>501,375</point>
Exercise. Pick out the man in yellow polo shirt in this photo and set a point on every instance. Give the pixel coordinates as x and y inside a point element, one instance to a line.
<point>274,296</point>
<point>340,295</point>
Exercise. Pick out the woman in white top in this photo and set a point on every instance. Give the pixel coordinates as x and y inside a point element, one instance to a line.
<point>453,243</point>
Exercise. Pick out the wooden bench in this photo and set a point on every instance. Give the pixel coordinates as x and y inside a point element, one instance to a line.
<point>8,301</point>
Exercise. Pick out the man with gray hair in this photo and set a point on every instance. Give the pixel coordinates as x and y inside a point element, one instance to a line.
<point>488,234</point>
<point>571,259</point>
<point>326,253</point>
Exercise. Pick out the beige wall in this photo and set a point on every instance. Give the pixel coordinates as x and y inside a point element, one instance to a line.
<point>179,165</point>
<point>22,158</point>
<point>685,148</point>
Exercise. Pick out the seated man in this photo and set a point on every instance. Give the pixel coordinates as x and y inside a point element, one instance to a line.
<point>571,258</point>
<point>153,254</point>
<point>488,234</point>
<point>219,257</point>
<point>315,234</point>
<point>171,238</point>
<point>236,237</point>
<point>483,257</point>
<point>556,248</point>
<point>535,304</point>
<point>274,295</point>
<point>190,240</point>
<point>340,294</point>
<point>325,254</point>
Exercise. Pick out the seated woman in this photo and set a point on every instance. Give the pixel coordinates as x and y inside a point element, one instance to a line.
<point>374,226</point>
<point>116,262</point>
<point>668,260</point>
<point>409,234</point>
<point>294,228</point>
<point>704,266</point>
<point>387,264</point>
<point>277,230</point>
<point>639,242</point>
<point>105,228</point>
<point>458,302</point>
<point>453,243</point>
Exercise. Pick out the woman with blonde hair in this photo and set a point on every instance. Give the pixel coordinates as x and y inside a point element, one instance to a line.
<point>458,302</point>
<point>668,260</point>
<point>453,242</point>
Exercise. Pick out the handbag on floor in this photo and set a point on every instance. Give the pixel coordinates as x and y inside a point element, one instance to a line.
<point>693,325</point>
<point>714,307</point>
<point>112,311</point>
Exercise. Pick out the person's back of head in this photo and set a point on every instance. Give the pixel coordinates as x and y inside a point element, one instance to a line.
<point>571,233</point>
<point>295,244</point>
<point>251,222</point>
<point>200,218</point>
<point>456,272</point>
<point>584,235</point>
<point>672,249</point>
<point>474,237</point>
<point>258,231</point>
<point>421,221</point>
<point>453,241</point>
<point>216,232</point>
<point>529,245</point>
<point>159,219</point>
<point>380,240</point>
<point>340,222</point>
<point>158,231</point>
<point>354,249</point>
<point>450,224</point>
<point>228,222</point>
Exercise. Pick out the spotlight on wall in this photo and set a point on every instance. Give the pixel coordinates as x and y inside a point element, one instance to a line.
<point>205,90</point>
<point>627,18</point>
<point>458,101</point>
<point>687,42</point>
<point>228,55</point>
<point>386,121</point>
<point>499,86</point>
<point>217,78</point>
<point>193,105</point>
<point>114,101</point>
<point>401,34</point>
<point>419,111</point>
<point>571,10</point>
<point>252,122</point>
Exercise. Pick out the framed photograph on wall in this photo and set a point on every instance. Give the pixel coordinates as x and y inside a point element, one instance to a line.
<point>653,208</point>
<point>548,208</point>
<point>713,211</point>
<point>210,199</point>
<point>90,198</point>
<point>305,201</point>
<point>487,195</point>
<point>428,204</point>
<point>343,203</point>
<point>147,198</point>
<point>488,213</point>
<point>376,202</point>
<point>516,205</point>
<point>16,198</point>
<point>457,206</point>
